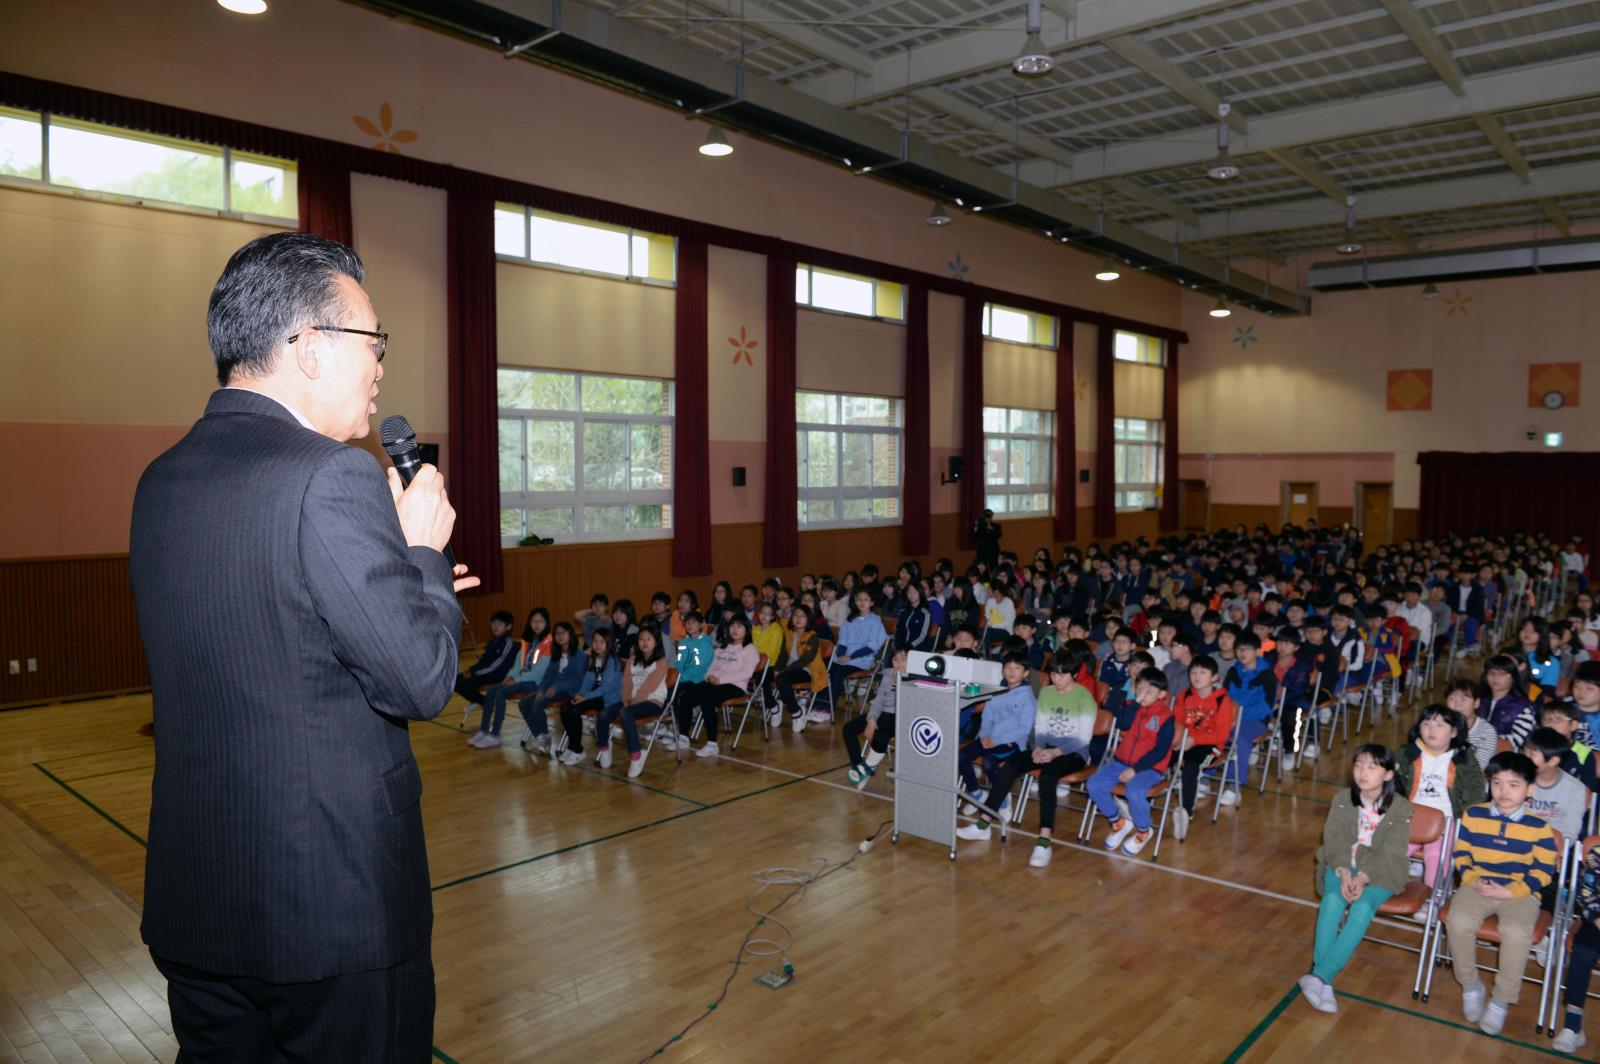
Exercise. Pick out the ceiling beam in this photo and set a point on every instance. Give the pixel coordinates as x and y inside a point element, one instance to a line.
<point>1558,217</point>
<point>1421,106</point>
<point>1503,144</point>
<point>992,122</point>
<point>1294,161</point>
<point>1396,232</point>
<point>1549,182</point>
<point>1134,51</point>
<point>996,45</point>
<point>1427,42</point>
<point>1253,250</point>
<point>1130,188</point>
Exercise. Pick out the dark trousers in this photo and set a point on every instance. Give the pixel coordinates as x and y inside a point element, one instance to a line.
<point>630,718</point>
<point>572,720</point>
<point>708,698</point>
<point>382,1017</point>
<point>1293,726</point>
<point>467,688</point>
<point>533,711</point>
<point>992,758</point>
<point>1585,952</point>
<point>786,681</point>
<point>1050,774</point>
<point>880,738</point>
<point>1191,774</point>
<point>494,705</point>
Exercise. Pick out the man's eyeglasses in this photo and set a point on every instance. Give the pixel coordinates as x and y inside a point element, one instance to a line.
<point>381,337</point>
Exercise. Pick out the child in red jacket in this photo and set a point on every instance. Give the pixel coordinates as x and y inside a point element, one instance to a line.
<point>1138,764</point>
<point>1207,713</point>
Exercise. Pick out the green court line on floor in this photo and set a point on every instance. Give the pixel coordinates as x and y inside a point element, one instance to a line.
<point>629,831</point>
<point>1261,1028</point>
<point>111,772</point>
<point>95,753</point>
<point>439,1054</point>
<point>113,821</point>
<point>1548,1051</point>
<point>597,771</point>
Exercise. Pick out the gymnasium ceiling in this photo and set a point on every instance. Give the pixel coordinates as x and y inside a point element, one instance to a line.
<point>1444,118</point>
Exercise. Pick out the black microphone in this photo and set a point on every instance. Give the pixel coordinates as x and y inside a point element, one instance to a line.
<point>401,443</point>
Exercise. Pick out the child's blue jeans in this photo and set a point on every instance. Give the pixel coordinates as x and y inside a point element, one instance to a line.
<point>1136,793</point>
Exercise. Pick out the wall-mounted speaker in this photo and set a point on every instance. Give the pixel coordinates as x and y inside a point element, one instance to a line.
<point>738,476</point>
<point>1083,476</point>
<point>957,467</point>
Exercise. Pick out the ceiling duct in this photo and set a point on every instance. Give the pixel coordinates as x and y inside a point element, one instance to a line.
<point>1465,264</point>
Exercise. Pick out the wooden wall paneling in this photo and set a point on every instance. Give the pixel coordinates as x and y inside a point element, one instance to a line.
<point>75,616</point>
<point>1406,524</point>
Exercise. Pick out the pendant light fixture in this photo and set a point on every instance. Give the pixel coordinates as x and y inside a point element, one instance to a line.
<point>1350,245</point>
<point>938,216</point>
<point>244,7</point>
<point>1223,167</point>
<point>1430,291</point>
<point>716,144</point>
<point>1034,61</point>
<point>1108,271</point>
<point>1220,309</point>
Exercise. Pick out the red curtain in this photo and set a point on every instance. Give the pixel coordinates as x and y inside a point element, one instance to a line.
<point>691,445</point>
<point>916,517</point>
<point>1105,412</point>
<point>474,459</point>
<point>971,416</point>
<point>1066,437</point>
<point>1516,491</point>
<point>1169,447</point>
<point>782,530</point>
<point>325,202</point>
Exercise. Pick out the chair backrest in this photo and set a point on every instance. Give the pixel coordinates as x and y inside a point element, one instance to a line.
<point>1503,746</point>
<point>890,624</point>
<point>1104,720</point>
<point>1427,825</point>
<point>1590,843</point>
<point>825,648</point>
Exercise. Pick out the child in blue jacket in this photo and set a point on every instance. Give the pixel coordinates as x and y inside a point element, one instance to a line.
<point>1253,685</point>
<point>1007,721</point>
<point>563,675</point>
<point>601,687</point>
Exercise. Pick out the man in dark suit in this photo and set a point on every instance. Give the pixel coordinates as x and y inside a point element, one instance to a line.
<point>296,613</point>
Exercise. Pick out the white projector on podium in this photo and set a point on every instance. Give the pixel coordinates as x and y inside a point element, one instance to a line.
<point>957,670</point>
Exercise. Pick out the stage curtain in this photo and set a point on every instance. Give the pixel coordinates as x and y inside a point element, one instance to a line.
<point>1514,491</point>
<point>691,445</point>
<point>325,202</point>
<point>915,492</point>
<point>1066,437</point>
<point>1105,412</point>
<point>781,545</point>
<point>971,416</point>
<point>474,459</point>
<point>1169,447</point>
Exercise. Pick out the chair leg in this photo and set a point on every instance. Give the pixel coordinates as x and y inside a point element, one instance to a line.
<point>1166,810</point>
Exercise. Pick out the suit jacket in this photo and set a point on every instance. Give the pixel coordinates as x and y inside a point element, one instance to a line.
<point>291,634</point>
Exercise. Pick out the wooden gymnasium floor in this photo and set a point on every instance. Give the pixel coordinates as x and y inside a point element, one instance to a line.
<point>584,917</point>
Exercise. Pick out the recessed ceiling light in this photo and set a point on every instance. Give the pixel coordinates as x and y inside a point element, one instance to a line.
<point>244,7</point>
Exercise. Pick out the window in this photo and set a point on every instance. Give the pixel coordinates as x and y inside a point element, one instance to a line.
<point>848,293</point>
<point>848,448</point>
<point>583,456</point>
<point>1016,460</point>
<point>1135,347</point>
<point>1137,462</point>
<point>1018,326</point>
<point>66,153</point>
<point>587,247</point>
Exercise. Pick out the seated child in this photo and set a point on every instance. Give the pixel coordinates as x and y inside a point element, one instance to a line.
<point>644,692</point>
<point>1062,732</point>
<point>601,687</point>
<point>1253,686</point>
<point>1437,768</point>
<point>1005,724</point>
<point>876,728</point>
<point>1294,679</point>
<point>1585,955</point>
<point>495,661</point>
<point>526,674</point>
<point>1564,719</point>
<point>732,666</point>
<point>1506,856</point>
<point>1206,714</point>
<point>1361,865</point>
<point>562,678</point>
<point>1139,764</point>
<point>1462,696</point>
<point>1557,797</point>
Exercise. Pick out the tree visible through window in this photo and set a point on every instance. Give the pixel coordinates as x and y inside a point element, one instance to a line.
<point>1137,462</point>
<point>848,454</point>
<point>1016,467</point>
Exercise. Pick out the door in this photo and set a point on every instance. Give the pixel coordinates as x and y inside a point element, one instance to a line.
<point>1194,505</point>
<point>1375,514</point>
<point>1299,501</point>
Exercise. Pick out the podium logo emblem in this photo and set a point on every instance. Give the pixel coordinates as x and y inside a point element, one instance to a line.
<point>926,736</point>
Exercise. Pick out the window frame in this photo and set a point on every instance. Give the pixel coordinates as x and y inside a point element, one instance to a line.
<point>1005,491</point>
<point>1156,442</point>
<point>579,497</point>
<point>1035,320</point>
<point>1152,350</point>
<point>527,259</point>
<point>878,290</point>
<point>43,183</point>
<point>839,493</point>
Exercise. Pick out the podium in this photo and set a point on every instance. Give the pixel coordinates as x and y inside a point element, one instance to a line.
<point>927,735</point>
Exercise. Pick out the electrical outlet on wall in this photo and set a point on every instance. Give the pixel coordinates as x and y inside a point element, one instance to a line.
<point>14,667</point>
<point>33,664</point>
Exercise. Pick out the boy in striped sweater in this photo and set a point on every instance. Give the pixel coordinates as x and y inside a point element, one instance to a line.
<point>1506,857</point>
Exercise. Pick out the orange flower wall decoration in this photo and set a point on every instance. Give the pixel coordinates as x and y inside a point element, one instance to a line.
<point>384,130</point>
<point>742,346</point>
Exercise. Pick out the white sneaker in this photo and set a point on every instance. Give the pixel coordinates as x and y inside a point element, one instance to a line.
<point>1040,856</point>
<point>969,808</point>
<point>1494,1018</point>
<point>1033,787</point>
<point>1286,763</point>
<point>1325,715</point>
<point>476,738</point>
<point>1255,756</point>
<point>1229,797</point>
<point>1202,788</point>
<point>978,832</point>
<point>708,750</point>
<point>1063,792</point>
<point>1472,1003</point>
<point>819,716</point>
<point>489,742</point>
<point>1180,823</point>
<point>1319,995</point>
<point>1119,831</point>
<point>1137,842</point>
<point>682,743</point>
<point>605,758</point>
<point>1568,1041</point>
<point>1415,868</point>
<point>635,767</point>
<point>1541,952</point>
<point>1309,752</point>
<point>798,723</point>
<point>569,758</point>
<point>537,744</point>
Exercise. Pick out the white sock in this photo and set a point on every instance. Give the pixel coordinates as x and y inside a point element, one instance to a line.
<point>872,758</point>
